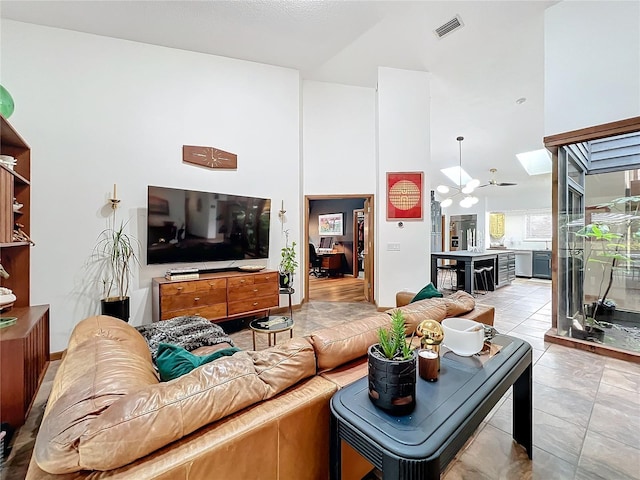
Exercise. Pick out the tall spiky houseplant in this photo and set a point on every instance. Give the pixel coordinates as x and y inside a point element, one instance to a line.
<point>116,253</point>
<point>393,342</point>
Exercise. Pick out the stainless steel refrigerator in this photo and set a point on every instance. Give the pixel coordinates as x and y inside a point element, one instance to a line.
<point>459,228</point>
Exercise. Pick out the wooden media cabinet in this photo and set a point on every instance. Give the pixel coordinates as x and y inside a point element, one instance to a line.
<point>217,296</point>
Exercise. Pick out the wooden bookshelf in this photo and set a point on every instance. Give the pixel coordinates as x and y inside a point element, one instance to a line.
<point>24,346</point>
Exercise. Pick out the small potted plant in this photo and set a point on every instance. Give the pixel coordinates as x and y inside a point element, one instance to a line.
<point>288,263</point>
<point>392,369</point>
<point>116,254</point>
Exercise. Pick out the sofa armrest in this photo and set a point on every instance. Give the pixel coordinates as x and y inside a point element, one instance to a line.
<point>404,298</point>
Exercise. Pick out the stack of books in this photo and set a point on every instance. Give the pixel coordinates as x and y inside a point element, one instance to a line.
<point>190,273</point>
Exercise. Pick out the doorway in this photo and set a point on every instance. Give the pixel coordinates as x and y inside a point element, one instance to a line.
<point>339,229</point>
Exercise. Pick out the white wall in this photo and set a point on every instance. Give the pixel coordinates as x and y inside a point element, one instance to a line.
<point>403,116</point>
<point>592,64</point>
<point>98,111</point>
<point>339,139</point>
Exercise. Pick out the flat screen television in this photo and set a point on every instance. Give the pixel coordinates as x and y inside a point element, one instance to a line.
<point>191,226</point>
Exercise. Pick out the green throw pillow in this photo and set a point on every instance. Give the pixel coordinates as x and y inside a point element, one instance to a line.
<point>174,361</point>
<point>427,292</point>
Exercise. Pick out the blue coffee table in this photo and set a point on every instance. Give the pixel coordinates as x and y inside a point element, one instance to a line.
<point>422,444</point>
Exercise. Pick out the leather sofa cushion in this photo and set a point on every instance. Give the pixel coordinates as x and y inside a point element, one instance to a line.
<point>481,313</point>
<point>414,313</point>
<point>349,372</point>
<point>108,408</point>
<point>459,302</point>
<point>98,370</point>
<point>335,346</point>
<point>147,420</point>
<point>264,441</point>
<point>348,341</point>
<point>438,309</point>
<point>404,298</point>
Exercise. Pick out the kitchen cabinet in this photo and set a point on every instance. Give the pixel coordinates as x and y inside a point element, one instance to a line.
<point>506,268</point>
<point>524,261</point>
<point>542,264</point>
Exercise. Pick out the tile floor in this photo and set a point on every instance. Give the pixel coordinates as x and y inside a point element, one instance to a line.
<point>586,407</point>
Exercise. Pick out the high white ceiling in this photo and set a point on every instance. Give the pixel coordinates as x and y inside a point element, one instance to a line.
<point>478,72</point>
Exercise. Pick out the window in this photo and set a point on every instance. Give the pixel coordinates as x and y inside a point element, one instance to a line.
<point>538,226</point>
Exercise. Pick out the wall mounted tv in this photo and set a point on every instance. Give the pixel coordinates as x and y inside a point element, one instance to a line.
<point>191,226</point>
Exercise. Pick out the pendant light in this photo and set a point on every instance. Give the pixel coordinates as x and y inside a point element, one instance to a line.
<point>469,200</point>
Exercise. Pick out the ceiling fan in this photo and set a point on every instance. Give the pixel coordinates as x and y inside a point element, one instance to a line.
<point>494,183</point>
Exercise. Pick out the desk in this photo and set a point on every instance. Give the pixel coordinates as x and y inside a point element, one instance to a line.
<point>468,259</point>
<point>420,445</point>
<point>332,262</point>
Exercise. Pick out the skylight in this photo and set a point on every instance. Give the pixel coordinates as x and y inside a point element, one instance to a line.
<point>453,173</point>
<point>536,162</point>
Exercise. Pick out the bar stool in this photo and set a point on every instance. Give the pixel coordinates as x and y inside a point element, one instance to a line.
<point>482,274</point>
<point>477,274</point>
<point>488,276</point>
<point>450,271</point>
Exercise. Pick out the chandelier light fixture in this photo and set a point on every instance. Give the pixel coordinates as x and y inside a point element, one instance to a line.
<point>468,200</point>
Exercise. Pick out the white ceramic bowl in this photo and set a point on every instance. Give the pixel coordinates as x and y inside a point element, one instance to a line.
<point>460,342</point>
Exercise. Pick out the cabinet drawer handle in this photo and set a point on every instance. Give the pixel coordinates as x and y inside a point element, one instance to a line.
<point>179,288</point>
<point>196,299</point>
<point>255,303</point>
<point>242,281</point>
<point>255,289</point>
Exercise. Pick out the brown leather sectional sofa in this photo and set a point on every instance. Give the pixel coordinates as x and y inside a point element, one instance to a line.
<point>254,415</point>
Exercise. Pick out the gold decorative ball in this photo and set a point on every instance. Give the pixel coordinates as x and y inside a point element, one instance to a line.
<point>430,331</point>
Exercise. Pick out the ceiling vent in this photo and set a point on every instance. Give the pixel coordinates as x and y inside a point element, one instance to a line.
<point>451,26</point>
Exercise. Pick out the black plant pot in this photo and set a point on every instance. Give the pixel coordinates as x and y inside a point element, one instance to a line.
<point>115,307</point>
<point>392,383</point>
<point>286,280</point>
<point>604,313</point>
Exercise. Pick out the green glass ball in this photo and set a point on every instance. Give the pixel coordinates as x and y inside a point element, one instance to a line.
<point>6,103</point>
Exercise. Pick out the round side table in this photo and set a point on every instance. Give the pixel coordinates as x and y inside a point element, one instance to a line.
<point>271,325</point>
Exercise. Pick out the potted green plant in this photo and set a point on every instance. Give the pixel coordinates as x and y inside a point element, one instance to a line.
<point>288,263</point>
<point>392,368</point>
<point>116,252</point>
<point>609,241</point>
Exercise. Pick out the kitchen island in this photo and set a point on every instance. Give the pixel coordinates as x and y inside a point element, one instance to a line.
<point>468,261</point>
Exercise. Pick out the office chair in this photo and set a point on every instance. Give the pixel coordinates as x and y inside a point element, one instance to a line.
<point>315,262</point>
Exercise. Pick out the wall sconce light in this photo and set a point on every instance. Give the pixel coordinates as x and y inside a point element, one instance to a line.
<point>114,200</point>
<point>281,214</point>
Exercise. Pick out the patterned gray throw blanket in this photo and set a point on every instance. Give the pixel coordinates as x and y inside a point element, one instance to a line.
<point>188,332</point>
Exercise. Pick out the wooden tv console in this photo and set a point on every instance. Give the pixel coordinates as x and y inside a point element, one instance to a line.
<point>217,296</point>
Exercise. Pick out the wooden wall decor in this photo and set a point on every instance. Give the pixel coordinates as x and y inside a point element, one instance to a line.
<point>209,157</point>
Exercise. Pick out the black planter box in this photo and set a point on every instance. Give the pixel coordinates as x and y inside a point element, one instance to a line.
<point>392,384</point>
<point>118,308</point>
